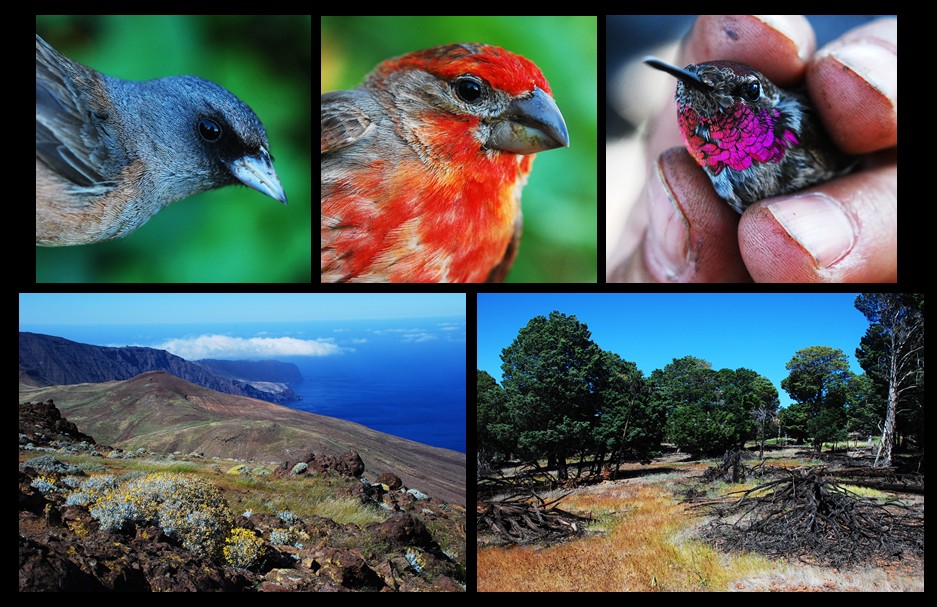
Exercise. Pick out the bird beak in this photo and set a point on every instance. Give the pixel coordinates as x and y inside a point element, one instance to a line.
<point>688,78</point>
<point>257,172</point>
<point>529,125</point>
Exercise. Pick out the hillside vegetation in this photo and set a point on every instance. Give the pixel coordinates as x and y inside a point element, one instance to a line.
<point>96,518</point>
<point>162,413</point>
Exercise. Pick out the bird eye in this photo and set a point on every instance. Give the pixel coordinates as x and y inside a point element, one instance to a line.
<point>209,129</point>
<point>468,89</point>
<point>751,91</point>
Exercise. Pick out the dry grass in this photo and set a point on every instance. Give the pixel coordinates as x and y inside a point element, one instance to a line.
<point>646,549</point>
<point>644,543</point>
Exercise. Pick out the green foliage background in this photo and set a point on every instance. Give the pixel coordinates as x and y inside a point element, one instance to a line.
<point>559,201</point>
<point>229,235</point>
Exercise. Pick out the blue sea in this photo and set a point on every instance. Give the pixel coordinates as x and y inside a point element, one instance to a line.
<point>405,377</point>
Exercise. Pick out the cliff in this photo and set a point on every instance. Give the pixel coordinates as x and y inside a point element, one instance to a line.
<point>46,360</point>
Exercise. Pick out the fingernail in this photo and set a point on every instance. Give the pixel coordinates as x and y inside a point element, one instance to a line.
<point>792,29</point>
<point>875,64</point>
<point>668,243</point>
<point>819,223</point>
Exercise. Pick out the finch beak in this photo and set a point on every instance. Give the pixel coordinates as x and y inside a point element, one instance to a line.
<point>529,125</point>
<point>257,172</point>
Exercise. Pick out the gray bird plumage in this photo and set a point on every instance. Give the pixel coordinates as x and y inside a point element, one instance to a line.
<point>111,153</point>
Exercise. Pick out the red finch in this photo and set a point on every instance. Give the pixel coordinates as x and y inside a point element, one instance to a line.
<point>423,165</point>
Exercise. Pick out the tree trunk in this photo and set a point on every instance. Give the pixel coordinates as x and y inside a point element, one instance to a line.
<point>761,452</point>
<point>883,458</point>
<point>562,472</point>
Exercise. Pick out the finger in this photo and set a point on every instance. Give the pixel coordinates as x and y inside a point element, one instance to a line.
<point>854,84</point>
<point>841,231</point>
<point>692,233</point>
<point>778,46</point>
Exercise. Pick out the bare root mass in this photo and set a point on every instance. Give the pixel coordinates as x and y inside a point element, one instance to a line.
<point>523,517</point>
<point>808,515</point>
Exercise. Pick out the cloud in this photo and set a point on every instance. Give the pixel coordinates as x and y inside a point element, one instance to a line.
<point>224,346</point>
<point>417,338</point>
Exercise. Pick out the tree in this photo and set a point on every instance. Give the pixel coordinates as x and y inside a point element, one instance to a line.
<point>793,420</point>
<point>893,351</point>
<point>492,437</point>
<point>818,379</point>
<point>865,408</point>
<point>710,411</point>
<point>552,373</point>
<point>629,425</point>
<point>763,408</point>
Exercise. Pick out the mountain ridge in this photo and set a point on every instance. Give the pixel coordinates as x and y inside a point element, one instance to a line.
<point>50,360</point>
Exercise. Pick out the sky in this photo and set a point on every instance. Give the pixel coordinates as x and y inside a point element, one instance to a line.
<point>240,325</point>
<point>761,332</point>
<point>112,308</point>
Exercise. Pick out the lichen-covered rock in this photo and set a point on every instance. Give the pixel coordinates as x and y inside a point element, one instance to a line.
<point>391,482</point>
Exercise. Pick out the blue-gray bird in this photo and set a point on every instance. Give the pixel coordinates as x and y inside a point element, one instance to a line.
<point>111,153</point>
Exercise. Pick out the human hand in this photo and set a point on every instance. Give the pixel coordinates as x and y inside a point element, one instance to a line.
<point>844,230</point>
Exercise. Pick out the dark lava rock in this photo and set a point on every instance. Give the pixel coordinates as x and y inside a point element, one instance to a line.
<point>347,464</point>
<point>405,529</point>
<point>391,480</point>
<point>347,568</point>
<point>43,423</point>
<point>56,561</point>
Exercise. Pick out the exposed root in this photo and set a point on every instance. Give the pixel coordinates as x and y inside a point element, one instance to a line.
<point>808,515</point>
<point>523,517</point>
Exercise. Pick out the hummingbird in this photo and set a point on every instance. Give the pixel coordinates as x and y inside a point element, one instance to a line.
<point>753,139</point>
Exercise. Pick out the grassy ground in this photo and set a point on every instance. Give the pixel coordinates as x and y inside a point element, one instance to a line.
<point>260,491</point>
<point>643,540</point>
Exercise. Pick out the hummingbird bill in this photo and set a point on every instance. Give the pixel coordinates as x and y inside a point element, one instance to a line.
<point>753,139</point>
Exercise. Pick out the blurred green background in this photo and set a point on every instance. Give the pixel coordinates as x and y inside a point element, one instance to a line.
<point>233,234</point>
<point>559,200</point>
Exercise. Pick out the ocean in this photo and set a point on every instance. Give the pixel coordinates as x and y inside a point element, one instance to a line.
<point>405,377</point>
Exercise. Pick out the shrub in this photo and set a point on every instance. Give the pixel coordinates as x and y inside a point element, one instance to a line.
<point>190,509</point>
<point>287,537</point>
<point>278,537</point>
<point>243,548</point>
<point>49,464</point>
<point>239,469</point>
<point>416,560</point>
<point>44,484</point>
<point>72,482</point>
<point>91,490</point>
<point>289,518</point>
